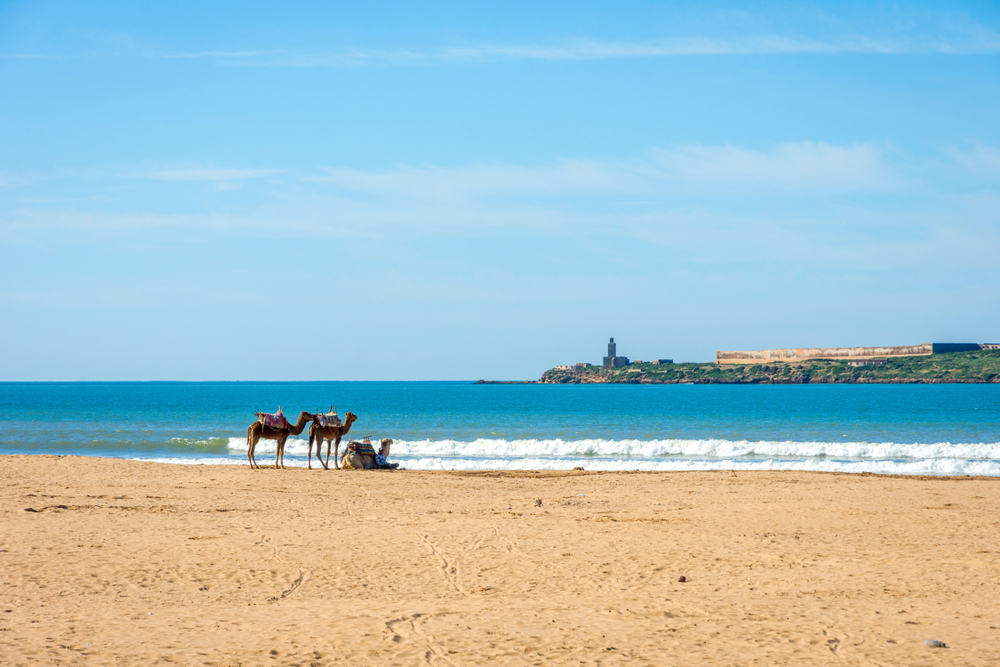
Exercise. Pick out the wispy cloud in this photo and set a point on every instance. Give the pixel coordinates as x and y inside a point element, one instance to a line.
<point>589,49</point>
<point>29,55</point>
<point>982,162</point>
<point>981,40</point>
<point>646,198</point>
<point>11,181</point>
<point>223,54</point>
<point>430,182</point>
<point>594,50</point>
<point>210,175</point>
<point>804,166</point>
<point>796,166</point>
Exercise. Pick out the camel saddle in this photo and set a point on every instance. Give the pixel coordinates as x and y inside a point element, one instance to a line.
<point>363,448</point>
<point>328,419</point>
<point>276,420</point>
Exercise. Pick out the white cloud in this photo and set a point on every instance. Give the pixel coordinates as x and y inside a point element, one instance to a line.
<point>28,55</point>
<point>832,194</point>
<point>9,181</point>
<point>981,41</point>
<point>588,49</point>
<point>42,220</point>
<point>209,175</point>
<point>795,166</point>
<point>982,162</point>
<point>222,54</point>
<point>811,166</point>
<point>595,50</point>
<point>428,182</point>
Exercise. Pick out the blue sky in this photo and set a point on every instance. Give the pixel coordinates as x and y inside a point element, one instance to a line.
<point>224,191</point>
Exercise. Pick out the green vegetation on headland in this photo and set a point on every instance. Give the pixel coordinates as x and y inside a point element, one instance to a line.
<point>956,367</point>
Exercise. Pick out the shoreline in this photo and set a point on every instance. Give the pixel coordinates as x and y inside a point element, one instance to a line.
<point>755,382</point>
<point>629,466</point>
<point>535,473</point>
<point>110,560</point>
<point>781,381</point>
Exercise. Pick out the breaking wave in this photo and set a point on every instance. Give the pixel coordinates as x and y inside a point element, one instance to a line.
<point>941,458</point>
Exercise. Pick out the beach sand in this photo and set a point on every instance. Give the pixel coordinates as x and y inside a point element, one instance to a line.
<point>121,562</point>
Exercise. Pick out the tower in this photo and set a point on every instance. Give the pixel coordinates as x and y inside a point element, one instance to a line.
<point>613,360</point>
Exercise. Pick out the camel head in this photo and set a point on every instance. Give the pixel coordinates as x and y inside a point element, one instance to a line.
<point>350,418</point>
<point>384,449</point>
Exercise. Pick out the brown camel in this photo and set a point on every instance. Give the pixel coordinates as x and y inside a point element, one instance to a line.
<point>332,433</point>
<point>365,461</point>
<point>256,431</point>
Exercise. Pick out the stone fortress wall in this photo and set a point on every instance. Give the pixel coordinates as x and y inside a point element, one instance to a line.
<point>839,353</point>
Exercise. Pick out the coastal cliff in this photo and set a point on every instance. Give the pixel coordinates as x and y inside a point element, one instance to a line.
<point>981,366</point>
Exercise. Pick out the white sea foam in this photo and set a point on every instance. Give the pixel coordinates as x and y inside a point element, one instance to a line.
<point>293,446</point>
<point>213,461</point>
<point>694,448</point>
<point>494,454</point>
<point>918,467</point>
<point>883,467</point>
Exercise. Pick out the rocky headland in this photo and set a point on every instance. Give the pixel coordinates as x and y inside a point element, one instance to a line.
<point>977,367</point>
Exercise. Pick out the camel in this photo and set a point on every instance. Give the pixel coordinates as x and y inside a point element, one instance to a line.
<point>332,433</point>
<point>365,461</point>
<point>256,431</point>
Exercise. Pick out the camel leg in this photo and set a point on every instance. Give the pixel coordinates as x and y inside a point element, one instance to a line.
<point>277,451</point>
<point>319,453</point>
<point>309,454</point>
<point>251,445</point>
<point>336,453</point>
<point>317,435</point>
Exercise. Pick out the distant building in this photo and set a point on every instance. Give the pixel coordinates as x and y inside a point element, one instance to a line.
<point>866,362</point>
<point>990,346</point>
<point>564,368</point>
<point>662,361</point>
<point>840,353</point>
<point>613,360</point>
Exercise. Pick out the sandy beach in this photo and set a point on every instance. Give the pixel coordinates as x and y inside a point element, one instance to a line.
<point>121,562</point>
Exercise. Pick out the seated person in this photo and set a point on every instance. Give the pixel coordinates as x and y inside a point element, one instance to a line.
<point>382,456</point>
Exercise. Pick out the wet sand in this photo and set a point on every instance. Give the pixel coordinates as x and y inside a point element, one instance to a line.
<point>119,562</point>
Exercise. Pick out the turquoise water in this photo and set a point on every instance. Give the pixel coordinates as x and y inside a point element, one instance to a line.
<point>914,429</point>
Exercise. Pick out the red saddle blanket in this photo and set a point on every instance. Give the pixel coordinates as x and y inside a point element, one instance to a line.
<point>277,420</point>
<point>361,448</point>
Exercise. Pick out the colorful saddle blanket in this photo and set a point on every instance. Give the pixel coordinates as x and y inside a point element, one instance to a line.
<point>364,448</point>
<point>277,420</point>
<point>329,419</point>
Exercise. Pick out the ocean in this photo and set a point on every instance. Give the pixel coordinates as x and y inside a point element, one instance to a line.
<point>886,429</point>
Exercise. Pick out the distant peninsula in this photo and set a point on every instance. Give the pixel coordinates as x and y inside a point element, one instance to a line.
<point>977,366</point>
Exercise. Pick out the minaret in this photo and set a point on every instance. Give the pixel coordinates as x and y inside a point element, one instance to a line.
<point>611,349</point>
